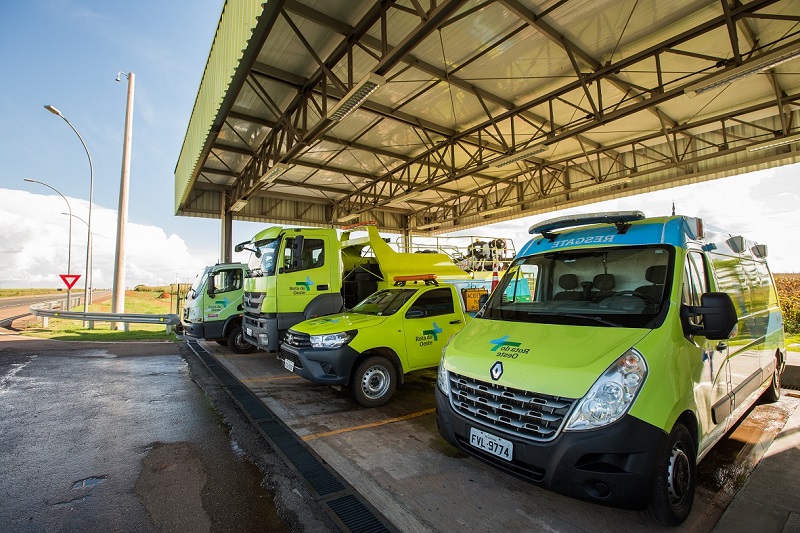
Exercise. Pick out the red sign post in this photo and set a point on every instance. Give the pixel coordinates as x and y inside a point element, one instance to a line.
<point>69,279</point>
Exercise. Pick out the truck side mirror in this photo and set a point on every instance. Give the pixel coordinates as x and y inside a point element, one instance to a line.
<point>718,316</point>
<point>416,312</point>
<point>210,286</point>
<point>297,251</point>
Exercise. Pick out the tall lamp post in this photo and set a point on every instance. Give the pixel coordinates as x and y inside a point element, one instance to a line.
<point>69,245</point>
<point>88,279</point>
<point>118,288</point>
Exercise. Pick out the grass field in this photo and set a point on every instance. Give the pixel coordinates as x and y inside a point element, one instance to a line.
<point>135,302</point>
<point>7,293</point>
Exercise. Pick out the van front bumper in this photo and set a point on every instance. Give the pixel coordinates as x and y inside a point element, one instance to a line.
<point>610,466</point>
<point>324,367</point>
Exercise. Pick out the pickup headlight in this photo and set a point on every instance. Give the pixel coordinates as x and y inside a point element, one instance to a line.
<point>442,377</point>
<point>332,341</point>
<point>611,395</point>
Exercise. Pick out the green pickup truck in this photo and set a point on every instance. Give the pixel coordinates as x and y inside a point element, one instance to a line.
<point>392,332</point>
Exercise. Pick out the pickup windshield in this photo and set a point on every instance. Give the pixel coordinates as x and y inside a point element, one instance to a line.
<point>384,303</point>
<point>262,260</point>
<point>608,287</point>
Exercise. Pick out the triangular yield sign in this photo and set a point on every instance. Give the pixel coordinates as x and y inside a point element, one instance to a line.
<point>69,279</point>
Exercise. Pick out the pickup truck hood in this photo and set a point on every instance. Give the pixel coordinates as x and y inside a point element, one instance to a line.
<point>551,359</point>
<point>337,323</point>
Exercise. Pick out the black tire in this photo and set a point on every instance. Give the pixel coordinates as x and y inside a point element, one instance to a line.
<point>675,478</point>
<point>236,341</point>
<point>373,381</point>
<point>222,342</point>
<point>773,392</point>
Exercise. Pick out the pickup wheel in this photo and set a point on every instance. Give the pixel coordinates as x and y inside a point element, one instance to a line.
<point>236,341</point>
<point>373,382</point>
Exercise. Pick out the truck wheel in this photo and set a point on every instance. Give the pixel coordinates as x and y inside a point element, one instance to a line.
<point>675,477</point>
<point>373,382</point>
<point>236,341</point>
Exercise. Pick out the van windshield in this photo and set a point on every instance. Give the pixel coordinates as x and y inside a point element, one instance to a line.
<point>608,287</point>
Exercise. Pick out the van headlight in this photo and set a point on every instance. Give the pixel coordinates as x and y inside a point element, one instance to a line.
<point>611,395</point>
<point>331,341</point>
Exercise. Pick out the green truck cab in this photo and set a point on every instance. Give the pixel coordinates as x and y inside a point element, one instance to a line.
<point>369,348</point>
<point>213,309</point>
<point>634,346</point>
<point>301,273</point>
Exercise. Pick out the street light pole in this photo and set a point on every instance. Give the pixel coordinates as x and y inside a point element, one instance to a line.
<point>88,279</point>
<point>69,245</point>
<point>118,288</point>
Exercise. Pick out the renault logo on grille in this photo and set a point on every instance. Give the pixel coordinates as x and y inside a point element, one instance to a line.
<point>497,370</point>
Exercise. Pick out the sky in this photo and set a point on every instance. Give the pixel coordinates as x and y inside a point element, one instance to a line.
<point>67,53</point>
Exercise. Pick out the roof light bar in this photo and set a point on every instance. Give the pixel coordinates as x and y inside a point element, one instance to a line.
<point>357,96</point>
<point>272,174</point>
<point>513,158</point>
<point>774,143</point>
<point>239,205</point>
<point>755,66</point>
<point>567,221</point>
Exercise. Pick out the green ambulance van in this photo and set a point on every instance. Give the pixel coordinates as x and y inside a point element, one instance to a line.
<point>635,345</point>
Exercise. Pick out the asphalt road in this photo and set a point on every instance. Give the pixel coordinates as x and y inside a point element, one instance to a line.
<point>119,436</point>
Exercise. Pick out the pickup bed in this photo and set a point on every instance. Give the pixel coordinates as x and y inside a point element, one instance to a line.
<point>371,347</point>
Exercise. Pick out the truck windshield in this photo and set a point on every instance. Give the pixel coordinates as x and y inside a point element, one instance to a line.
<point>609,287</point>
<point>384,303</point>
<point>262,260</point>
<point>199,281</point>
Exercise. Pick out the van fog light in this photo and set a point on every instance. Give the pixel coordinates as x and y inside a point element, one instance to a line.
<point>611,395</point>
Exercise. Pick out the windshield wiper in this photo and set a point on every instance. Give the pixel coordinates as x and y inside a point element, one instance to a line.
<point>589,317</point>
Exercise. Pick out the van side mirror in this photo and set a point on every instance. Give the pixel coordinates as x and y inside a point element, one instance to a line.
<point>416,312</point>
<point>718,314</point>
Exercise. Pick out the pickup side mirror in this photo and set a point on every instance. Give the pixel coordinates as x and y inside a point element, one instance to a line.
<point>416,312</point>
<point>718,314</point>
<point>482,299</point>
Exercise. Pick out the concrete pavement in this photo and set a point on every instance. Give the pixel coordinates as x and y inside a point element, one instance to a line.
<point>769,500</point>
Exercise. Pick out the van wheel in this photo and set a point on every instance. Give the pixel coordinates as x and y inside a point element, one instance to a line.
<point>373,382</point>
<point>773,392</point>
<point>236,341</point>
<point>674,482</point>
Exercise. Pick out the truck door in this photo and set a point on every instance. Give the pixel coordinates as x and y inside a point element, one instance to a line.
<point>708,359</point>
<point>224,295</point>
<point>303,274</point>
<point>427,331</point>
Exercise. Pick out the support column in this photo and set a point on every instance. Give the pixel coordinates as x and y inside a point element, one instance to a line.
<point>226,232</point>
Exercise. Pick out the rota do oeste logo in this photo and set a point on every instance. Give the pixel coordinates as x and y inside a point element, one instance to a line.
<point>302,287</point>
<point>429,336</point>
<point>503,347</point>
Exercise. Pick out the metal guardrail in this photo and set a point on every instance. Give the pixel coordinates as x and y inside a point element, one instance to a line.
<point>168,321</point>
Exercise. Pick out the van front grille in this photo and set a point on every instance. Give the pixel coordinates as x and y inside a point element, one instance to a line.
<point>519,413</point>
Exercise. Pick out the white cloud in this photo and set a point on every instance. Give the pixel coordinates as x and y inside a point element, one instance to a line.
<point>34,244</point>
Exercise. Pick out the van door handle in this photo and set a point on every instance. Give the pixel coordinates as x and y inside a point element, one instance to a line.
<point>322,287</point>
<point>721,346</point>
<point>455,322</point>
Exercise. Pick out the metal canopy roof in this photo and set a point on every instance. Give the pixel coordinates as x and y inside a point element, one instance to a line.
<point>439,115</point>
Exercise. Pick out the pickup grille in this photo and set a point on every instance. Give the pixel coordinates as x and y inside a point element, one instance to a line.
<point>298,340</point>
<point>284,355</point>
<point>519,413</point>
